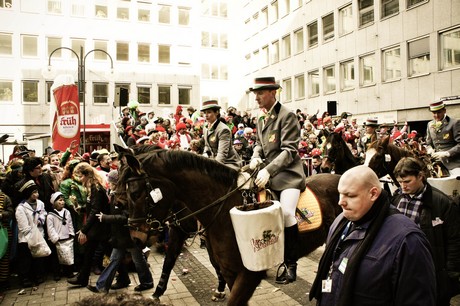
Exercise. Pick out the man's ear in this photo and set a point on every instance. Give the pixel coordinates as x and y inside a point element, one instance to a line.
<point>375,193</point>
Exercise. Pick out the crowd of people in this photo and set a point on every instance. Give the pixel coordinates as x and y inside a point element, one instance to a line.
<point>70,197</point>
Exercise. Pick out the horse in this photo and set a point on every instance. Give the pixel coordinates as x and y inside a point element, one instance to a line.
<point>209,189</point>
<point>337,156</point>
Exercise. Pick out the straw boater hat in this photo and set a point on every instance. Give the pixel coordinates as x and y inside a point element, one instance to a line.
<point>434,107</point>
<point>210,104</point>
<point>371,122</point>
<point>264,83</point>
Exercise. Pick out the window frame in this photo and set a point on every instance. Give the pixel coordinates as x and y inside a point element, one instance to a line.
<point>326,80</point>
<point>144,93</point>
<point>421,59</point>
<point>299,89</point>
<point>314,87</point>
<point>362,81</point>
<point>188,95</point>
<point>347,76</point>
<point>34,90</point>
<point>287,90</point>
<point>166,94</point>
<point>10,36</point>
<point>385,65</point>
<point>314,37</point>
<point>4,89</point>
<point>442,43</point>
<point>328,30</point>
<point>347,21</point>
<point>104,96</point>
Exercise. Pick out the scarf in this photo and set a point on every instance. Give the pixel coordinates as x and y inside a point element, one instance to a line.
<point>376,215</point>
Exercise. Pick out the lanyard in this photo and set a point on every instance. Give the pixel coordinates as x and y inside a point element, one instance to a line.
<point>337,249</point>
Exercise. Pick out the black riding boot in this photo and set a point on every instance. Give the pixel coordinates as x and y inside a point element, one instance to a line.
<point>289,267</point>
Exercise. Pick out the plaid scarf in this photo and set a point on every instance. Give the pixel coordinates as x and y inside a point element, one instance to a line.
<point>411,206</point>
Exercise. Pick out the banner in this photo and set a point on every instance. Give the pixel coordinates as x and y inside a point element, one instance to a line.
<point>66,120</point>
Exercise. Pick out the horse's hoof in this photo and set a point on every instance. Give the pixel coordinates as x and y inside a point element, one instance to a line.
<point>156,299</point>
<point>218,296</point>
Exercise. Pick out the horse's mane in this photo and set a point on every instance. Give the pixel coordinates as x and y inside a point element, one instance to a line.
<point>185,160</point>
<point>384,143</point>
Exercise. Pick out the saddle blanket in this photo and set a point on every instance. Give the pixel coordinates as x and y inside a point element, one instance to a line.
<point>308,205</point>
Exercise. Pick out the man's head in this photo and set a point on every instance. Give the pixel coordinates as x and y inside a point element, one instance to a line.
<point>265,90</point>
<point>410,174</point>
<point>33,166</point>
<point>316,161</point>
<point>104,160</point>
<point>438,109</point>
<point>359,188</point>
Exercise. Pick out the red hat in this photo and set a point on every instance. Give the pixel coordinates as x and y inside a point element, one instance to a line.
<point>142,133</point>
<point>128,128</point>
<point>85,157</point>
<point>316,152</point>
<point>180,126</point>
<point>159,128</point>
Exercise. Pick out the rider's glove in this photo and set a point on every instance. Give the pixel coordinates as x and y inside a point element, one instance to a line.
<point>430,151</point>
<point>254,163</point>
<point>262,178</point>
<point>439,155</point>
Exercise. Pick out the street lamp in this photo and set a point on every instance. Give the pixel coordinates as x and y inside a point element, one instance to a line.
<point>81,79</point>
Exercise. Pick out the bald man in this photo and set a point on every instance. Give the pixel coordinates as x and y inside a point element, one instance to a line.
<point>374,255</point>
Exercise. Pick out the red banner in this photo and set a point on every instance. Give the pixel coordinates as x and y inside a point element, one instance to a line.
<point>66,121</point>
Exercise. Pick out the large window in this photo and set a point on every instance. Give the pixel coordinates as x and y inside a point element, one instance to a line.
<point>143,14</point>
<point>164,56</point>
<point>411,3</point>
<point>102,45</point>
<point>346,20</point>
<point>366,12</point>
<point>275,52</point>
<point>450,49</point>
<point>389,7</point>
<point>143,53</point>
<point>78,9</point>
<point>100,93</point>
<point>122,13</point>
<point>54,7</point>
<point>273,13</point>
<point>286,40</point>
<point>329,79</point>
<point>298,36</point>
<point>6,3</point>
<point>164,14</point>
<point>287,90</point>
<point>347,75</point>
<point>122,51</point>
<point>328,27</point>
<point>264,56</point>
<point>299,87</point>
<point>6,91</point>
<point>29,46</point>
<point>392,64</point>
<point>419,56</point>
<point>184,95</point>
<point>367,67</point>
<point>101,11</point>
<point>184,16</point>
<point>264,17</point>
<point>164,95</point>
<point>6,44</point>
<point>312,29</point>
<point>313,81</point>
<point>76,46</point>
<point>52,44</point>
<point>143,93</point>
<point>30,91</point>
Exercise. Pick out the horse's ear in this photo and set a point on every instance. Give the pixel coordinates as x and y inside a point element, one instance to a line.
<point>132,162</point>
<point>385,141</point>
<point>119,149</point>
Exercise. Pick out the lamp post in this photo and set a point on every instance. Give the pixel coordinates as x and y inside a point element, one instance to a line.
<point>81,79</point>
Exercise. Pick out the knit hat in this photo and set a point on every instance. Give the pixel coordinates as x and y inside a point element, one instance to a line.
<point>28,188</point>
<point>112,177</point>
<point>55,196</point>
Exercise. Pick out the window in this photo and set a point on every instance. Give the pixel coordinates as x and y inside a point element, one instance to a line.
<point>345,20</point>
<point>184,16</point>
<point>367,64</point>
<point>285,7</point>
<point>312,34</point>
<point>264,56</point>
<point>48,85</point>
<point>30,91</point>
<point>313,80</point>
<point>101,11</point>
<point>143,53</point>
<point>54,7</point>
<point>122,13</point>
<point>184,95</point>
<point>78,8</point>
<point>347,71</point>
<point>214,40</point>
<point>100,44</point>
<point>450,49</point>
<point>223,41</point>
<point>164,54</point>
<point>29,46</point>
<point>122,51</point>
<point>143,15</point>
<point>411,3</point>
<point>328,27</point>
<point>298,36</point>
<point>205,39</point>
<point>6,91</point>
<point>143,94</point>
<point>164,14</point>
<point>389,7</point>
<point>53,44</point>
<point>6,3</point>
<point>217,8</point>
<point>76,46</point>
<point>255,60</point>
<point>100,93</point>
<point>419,57</point>
<point>392,64</point>
<point>164,95</point>
<point>366,12</point>
<point>286,40</point>
<point>287,90</point>
<point>264,17</point>
<point>223,72</point>
<point>274,11</point>
<point>275,52</point>
<point>6,44</point>
<point>299,87</point>
<point>205,71</point>
<point>329,79</point>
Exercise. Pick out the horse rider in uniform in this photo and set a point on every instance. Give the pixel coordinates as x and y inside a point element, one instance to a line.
<point>278,136</point>
<point>370,135</point>
<point>443,138</point>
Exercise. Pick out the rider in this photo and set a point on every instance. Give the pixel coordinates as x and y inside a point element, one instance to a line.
<point>443,138</point>
<point>370,135</point>
<point>278,136</point>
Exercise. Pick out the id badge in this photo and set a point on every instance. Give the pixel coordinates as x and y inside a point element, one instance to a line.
<point>343,265</point>
<point>156,195</point>
<point>326,285</point>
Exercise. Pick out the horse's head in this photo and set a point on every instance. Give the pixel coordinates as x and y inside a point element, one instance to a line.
<point>337,155</point>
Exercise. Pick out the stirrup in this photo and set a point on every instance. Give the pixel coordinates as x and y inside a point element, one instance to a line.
<point>218,296</point>
<point>281,274</point>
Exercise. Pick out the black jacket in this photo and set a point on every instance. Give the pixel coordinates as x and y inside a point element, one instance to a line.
<point>99,202</point>
<point>120,237</point>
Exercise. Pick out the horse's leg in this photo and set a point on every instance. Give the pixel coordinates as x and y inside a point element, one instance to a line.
<point>244,286</point>
<point>176,241</point>
<point>219,294</point>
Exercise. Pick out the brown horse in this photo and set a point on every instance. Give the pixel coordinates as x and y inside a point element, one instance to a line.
<point>337,156</point>
<point>209,189</point>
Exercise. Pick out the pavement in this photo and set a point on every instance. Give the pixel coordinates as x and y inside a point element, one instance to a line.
<point>191,284</point>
